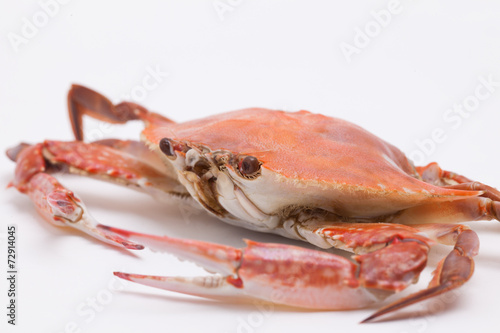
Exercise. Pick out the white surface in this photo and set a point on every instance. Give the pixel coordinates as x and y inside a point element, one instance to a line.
<point>275,54</point>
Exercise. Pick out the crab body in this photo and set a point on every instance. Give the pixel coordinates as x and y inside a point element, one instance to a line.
<point>311,168</point>
<point>298,174</point>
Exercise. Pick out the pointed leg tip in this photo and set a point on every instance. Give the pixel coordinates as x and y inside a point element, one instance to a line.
<point>368,320</point>
<point>133,246</point>
<point>119,241</point>
<point>118,236</point>
<point>124,276</point>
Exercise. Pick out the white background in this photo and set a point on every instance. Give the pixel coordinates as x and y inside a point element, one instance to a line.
<point>275,54</point>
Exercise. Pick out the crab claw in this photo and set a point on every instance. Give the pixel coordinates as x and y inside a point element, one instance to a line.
<point>62,207</point>
<point>451,273</point>
<point>213,257</point>
<point>277,273</point>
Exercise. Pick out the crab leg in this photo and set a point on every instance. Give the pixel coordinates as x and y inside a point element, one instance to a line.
<point>296,276</point>
<point>359,238</point>
<point>84,101</point>
<point>278,273</point>
<point>61,206</point>
<point>138,150</point>
<point>371,240</point>
<point>53,201</point>
<point>484,207</point>
<point>213,257</point>
<point>433,174</point>
<point>488,191</point>
<point>451,272</point>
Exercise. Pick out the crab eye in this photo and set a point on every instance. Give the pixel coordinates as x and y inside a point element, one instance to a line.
<point>249,166</point>
<point>166,147</point>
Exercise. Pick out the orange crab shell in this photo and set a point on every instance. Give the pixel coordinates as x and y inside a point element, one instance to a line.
<point>312,149</point>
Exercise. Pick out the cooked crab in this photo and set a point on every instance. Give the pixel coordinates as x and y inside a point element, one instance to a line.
<point>297,174</point>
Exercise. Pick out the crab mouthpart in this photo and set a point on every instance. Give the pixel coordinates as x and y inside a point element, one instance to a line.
<point>197,175</point>
<point>211,179</point>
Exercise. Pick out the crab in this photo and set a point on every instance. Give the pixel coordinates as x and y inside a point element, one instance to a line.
<point>300,175</point>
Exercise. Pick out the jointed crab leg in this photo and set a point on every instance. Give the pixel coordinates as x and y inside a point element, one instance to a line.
<point>217,258</point>
<point>433,174</point>
<point>452,272</point>
<point>84,101</point>
<point>306,278</point>
<point>278,273</point>
<point>61,206</point>
<point>53,201</point>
